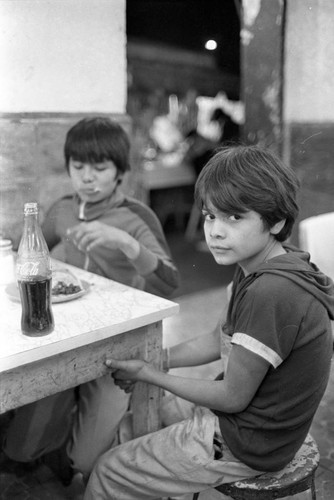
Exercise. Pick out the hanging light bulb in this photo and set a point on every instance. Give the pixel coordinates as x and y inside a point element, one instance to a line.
<point>210,45</point>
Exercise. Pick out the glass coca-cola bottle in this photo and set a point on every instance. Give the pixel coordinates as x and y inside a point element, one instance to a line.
<point>34,276</point>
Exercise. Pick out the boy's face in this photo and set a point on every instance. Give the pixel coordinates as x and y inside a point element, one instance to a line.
<point>93,181</point>
<point>237,239</point>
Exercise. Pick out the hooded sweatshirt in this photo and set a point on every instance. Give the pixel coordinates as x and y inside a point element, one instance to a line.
<point>153,270</point>
<point>281,312</point>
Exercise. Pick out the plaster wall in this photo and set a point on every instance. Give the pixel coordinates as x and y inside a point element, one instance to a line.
<point>308,101</point>
<point>309,61</point>
<point>62,56</point>
<point>261,58</point>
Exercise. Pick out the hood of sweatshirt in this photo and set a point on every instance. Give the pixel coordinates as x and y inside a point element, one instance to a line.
<point>296,266</point>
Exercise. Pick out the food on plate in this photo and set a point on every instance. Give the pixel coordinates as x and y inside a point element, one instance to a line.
<point>62,288</point>
<point>65,283</point>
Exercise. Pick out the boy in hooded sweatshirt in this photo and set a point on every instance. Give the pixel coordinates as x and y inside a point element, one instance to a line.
<point>102,230</point>
<point>256,415</point>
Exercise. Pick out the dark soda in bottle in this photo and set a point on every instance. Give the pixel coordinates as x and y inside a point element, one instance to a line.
<point>34,276</point>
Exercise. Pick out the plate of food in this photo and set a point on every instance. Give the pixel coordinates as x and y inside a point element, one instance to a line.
<point>65,286</point>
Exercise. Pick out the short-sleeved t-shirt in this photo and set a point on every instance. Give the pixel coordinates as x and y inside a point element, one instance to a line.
<point>284,323</point>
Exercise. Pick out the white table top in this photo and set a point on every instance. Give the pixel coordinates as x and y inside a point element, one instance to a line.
<point>107,309</point>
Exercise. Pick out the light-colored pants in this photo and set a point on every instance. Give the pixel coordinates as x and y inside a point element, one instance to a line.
<point>176,460</point>
<point>90,423</point>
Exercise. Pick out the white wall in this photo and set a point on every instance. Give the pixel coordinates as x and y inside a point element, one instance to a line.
<point>309,56</point>
<point>62,56</point>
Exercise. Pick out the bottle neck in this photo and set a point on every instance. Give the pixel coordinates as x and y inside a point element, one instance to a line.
<point>32,232</point>
<point>31,220</point>
<point>32,241</point>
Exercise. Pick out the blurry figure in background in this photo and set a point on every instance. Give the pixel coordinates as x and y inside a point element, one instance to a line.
<point>188,113</point>
<point>200,150</point>
<point>101,230</point>
<point>229,129</point>
<point>143,108</point>
<point>218,130</point>
<point>170,131</point>
<point>165,134</point>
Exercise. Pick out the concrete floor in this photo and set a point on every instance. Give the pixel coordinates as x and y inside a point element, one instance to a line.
<point>198,313</point>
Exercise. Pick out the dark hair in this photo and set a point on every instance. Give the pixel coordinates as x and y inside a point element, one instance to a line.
<point>98,139</point>
<point>241,178</point>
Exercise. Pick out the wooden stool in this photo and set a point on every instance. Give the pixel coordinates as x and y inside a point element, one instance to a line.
<point>296,477</point>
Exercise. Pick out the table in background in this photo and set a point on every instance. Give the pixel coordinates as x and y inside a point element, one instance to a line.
<point>110,320</point>
<point>157,174</point>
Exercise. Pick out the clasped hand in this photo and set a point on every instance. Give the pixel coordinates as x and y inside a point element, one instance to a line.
<point>126,373</point>
<point>88,235</point>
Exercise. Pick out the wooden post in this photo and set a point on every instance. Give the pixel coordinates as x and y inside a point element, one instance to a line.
<point>262,41</point>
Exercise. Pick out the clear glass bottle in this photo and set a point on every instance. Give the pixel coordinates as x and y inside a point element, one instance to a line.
<point>34,276</point>
<point>7,262</point>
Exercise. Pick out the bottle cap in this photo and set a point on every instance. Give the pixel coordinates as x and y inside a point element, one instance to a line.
<point>31,208</point>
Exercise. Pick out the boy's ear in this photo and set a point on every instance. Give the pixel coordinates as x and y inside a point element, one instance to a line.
<point>278,227</point>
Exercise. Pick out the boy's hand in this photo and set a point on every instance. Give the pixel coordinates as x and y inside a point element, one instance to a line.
<point>88,235</point>
<point>126,373</point>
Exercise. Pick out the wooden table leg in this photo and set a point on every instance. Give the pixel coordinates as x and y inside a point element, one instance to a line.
<point>146,398</point>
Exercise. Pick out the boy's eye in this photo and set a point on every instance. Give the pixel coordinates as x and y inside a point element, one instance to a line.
<point>76,165</point>
<point>100,167</point>
<point>234,217</point>
<point>208,215</point>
